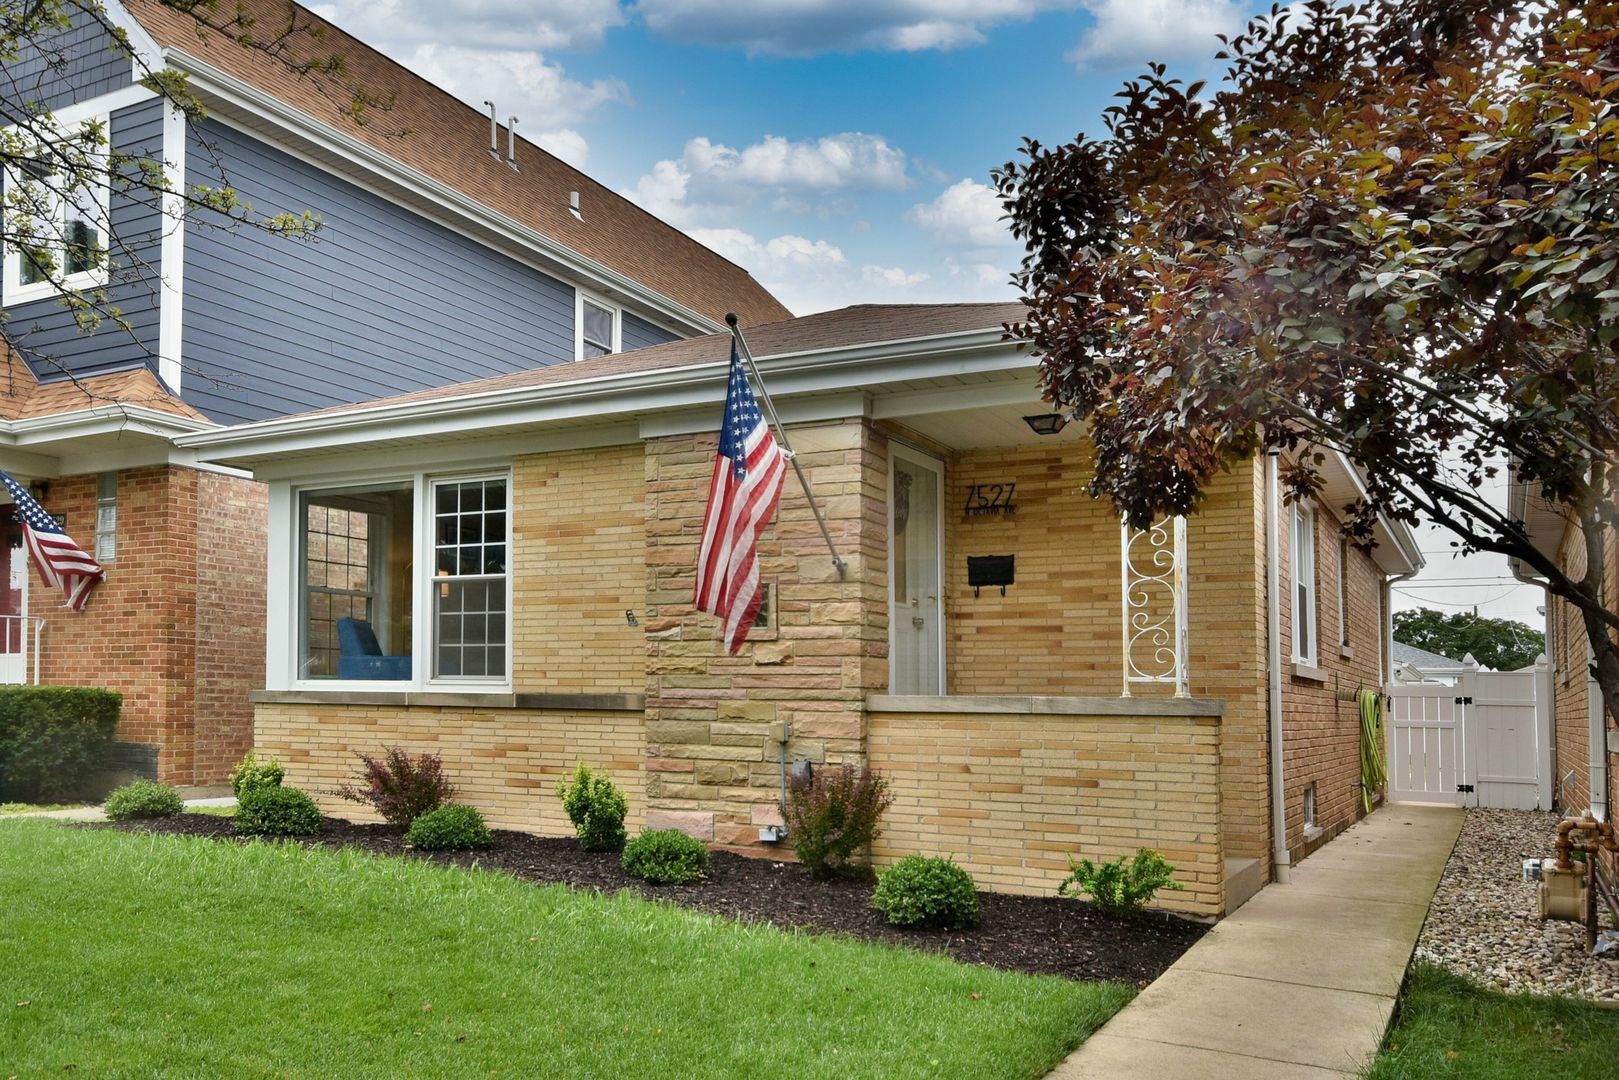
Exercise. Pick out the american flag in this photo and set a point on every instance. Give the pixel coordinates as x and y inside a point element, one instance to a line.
<point>62,563</point>
<point>748,474</point>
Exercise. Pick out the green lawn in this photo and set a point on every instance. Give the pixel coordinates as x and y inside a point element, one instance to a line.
<point>132,955</point>
<point>1448,1027</point>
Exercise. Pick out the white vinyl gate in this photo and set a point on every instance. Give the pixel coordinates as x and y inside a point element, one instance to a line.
<point>1483,742</point>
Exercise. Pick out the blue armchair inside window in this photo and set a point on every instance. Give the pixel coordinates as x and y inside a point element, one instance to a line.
<point>360,657</point>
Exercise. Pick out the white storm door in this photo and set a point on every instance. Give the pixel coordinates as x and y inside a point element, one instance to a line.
<point>13,600</point>
<point>915,574</point>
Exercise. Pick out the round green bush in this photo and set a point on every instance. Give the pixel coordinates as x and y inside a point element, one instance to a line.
<point>253,773</point>
<point>933,894</point>
<point>449,828</point>
<point>596,807</point>
<point>665,857</point>
<point>143,799</point>
<point>277,811</point>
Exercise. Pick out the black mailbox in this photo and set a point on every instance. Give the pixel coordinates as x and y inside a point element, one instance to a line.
<point>985,570</point>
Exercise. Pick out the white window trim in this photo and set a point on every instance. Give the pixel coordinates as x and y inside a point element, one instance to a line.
<point>12,289</point>
<point>1303,522</point>
<point>579,298</point>
<point>286,579</point>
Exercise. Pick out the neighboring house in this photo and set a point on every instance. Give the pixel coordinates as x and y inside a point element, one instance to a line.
<point>1582,737</point>
<point>1428,666</point>
<point>516,557</point>
<point>439,259</point>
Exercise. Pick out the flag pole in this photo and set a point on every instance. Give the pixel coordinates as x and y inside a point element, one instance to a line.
<point>781,433</point>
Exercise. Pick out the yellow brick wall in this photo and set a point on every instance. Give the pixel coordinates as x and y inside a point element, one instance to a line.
<point>579,543</point>
<point>1571,681</point>
<point>506,762</point>
<point>1010,797</point>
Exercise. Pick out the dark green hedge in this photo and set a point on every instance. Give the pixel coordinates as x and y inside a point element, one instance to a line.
<point>52,738</point>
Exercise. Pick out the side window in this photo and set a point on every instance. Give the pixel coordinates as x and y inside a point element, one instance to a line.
<point>106,517</point>
<point>1304,605</point>
<point>599,328</point>
<point>57,218</point>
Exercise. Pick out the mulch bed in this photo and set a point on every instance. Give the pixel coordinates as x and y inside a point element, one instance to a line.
<point>1044,935</point>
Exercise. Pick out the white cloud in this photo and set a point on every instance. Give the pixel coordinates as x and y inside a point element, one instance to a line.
<point>491,24</point>
<point>520,84</point>
<point>1129,32</point>
<point>567,144</point>
<point>806,27</point>
<point>892,276</point>
<point>710,182</point>
<point>966,214</point>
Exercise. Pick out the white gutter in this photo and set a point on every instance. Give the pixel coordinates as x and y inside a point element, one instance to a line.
<point>266,107</point>
<point>1281,859</point>
<point>808,371</point>
<point>100,420</point>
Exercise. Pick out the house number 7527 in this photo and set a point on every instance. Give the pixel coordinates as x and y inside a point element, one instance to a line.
<point>990,499</point>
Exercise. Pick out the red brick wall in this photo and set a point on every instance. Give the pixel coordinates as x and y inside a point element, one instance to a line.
<point>1322,734</point>
<point>231,556</point>
<point>141,633</point>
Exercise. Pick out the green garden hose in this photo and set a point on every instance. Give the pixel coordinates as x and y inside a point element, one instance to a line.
<point>1373,765</point>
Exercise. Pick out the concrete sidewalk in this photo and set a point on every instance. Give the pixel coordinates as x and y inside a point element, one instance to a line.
<point>93,813</point>
<point>1301,981</point>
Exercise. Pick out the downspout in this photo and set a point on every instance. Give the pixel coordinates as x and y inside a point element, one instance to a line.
<point>1281,860</point>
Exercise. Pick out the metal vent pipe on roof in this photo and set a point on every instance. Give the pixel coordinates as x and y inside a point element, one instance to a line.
<point>511,142</point>
<point>494,132</point>
<point>573,205</point>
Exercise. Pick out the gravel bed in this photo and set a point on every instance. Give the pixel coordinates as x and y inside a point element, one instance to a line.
<point>1484,922</point>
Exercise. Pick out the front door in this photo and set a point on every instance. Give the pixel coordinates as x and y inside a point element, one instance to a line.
<point>13,599</point>
<point>915,608</point>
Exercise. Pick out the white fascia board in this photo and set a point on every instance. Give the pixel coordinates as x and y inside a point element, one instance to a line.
<point>810,410</point>
<point>100,420</point>
<point>1394,538</point>
<point>24,463</point>
<point>688,386</point>
<point>148,55</point>
<point>218,88</point>
<point>364,464</point>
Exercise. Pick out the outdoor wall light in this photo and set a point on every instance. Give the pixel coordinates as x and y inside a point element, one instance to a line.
<point>1046,423</point>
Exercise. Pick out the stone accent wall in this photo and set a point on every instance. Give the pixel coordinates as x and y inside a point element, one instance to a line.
<point>1321,733</point>
<point>232,532</point>
<point>712,720</point>
<point>506,762</point>
<point>578,560</point>
<point>1011,796</point>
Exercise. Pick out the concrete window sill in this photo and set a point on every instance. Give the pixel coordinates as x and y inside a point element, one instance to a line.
<point>1308,673</point>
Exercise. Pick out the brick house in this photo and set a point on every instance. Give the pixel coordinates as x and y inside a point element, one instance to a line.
<point>448,250</point>
<point>521,551</point>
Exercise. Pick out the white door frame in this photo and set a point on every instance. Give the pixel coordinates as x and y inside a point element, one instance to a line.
<point>14,666</point>
<point>896,450</point>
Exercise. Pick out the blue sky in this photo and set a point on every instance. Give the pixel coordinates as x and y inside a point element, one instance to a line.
<point>838,149</point>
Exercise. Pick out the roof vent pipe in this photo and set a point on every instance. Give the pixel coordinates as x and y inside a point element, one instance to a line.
<point>494,132</point>
<point>511,142</point>
<point>573,205</point>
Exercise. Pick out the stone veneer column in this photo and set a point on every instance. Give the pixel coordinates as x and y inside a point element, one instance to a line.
<point>712,755</point>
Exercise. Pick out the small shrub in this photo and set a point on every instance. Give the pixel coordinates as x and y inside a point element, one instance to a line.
<point>399,787</point>
<point>1122,887</point>
<point>143,799</point>
<point>450,828</point>
<point>832,814</point>
<point>52,738</point>
<point>666,857</point>
<point>277,811</point>
<point>254,774</point>
<point>596,807</point>
<point>933,894</point>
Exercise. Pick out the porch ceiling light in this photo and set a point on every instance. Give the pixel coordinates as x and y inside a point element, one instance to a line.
<point>1046,423</point>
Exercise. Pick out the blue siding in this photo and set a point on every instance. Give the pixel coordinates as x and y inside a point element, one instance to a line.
<point>381,301</point>
<point>80,62</point>
<point>46,333</point>
<point>639,334</point>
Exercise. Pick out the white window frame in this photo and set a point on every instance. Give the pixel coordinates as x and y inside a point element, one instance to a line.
<point>12,289</point>
<point>580,296</point>
<point>286,553</point>
<point>1303,564</point>
<point>106,517</point>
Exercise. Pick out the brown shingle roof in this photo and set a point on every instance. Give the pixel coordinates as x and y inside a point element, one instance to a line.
<point>862,324</point>
<point>448,140</point>
<point>24,397</point>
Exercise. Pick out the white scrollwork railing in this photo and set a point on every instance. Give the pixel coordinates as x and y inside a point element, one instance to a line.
<point>1153,576</point>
